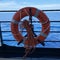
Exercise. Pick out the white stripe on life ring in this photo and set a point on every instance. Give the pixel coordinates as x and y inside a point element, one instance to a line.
<point>14,21</point>
<point>37,13</point>
<point>43,34</point>
<point>45,22</point>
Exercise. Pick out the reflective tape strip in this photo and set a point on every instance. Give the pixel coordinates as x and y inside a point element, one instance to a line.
<point>37,13</point>
<point>43,34</point>
<point>14,21</point>
<point>45,22</point>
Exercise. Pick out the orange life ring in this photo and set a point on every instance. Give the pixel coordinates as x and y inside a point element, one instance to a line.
<point>36,13</point>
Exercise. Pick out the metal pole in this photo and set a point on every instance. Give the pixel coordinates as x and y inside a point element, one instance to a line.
<point>1,35</point>
<point>30,15</point>
<point>30,19</point>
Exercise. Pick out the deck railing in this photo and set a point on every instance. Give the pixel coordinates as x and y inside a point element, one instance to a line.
<point>33,21</point>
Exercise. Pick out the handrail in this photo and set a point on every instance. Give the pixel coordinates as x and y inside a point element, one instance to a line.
<point>32,21</point>
<point>44,41</point>
<point>17,10</point>
<point>37,31</point>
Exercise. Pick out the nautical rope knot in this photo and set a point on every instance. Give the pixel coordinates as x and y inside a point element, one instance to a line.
<point>30,41</point>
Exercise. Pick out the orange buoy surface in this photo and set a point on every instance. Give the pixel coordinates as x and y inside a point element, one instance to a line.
<point>43,19</point>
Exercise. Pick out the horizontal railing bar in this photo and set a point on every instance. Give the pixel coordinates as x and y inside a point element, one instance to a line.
<point>54,31</point>
<point>55,21</point>
<point>17,10</point>
<point>5,21</point>
<point>9,40</point>
<point>52,41</point>
<point>21,21</point>
<point>8,10</point>
<point>52,10</point>
<point>36,31</point>
<point>44,41</point>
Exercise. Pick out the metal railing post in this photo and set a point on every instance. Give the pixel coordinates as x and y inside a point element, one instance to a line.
<point>1,35</point>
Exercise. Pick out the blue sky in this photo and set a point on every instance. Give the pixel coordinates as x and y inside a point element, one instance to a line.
<point>18,4</point>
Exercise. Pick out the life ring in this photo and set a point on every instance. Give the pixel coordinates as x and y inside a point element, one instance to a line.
<point>36,13</point>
